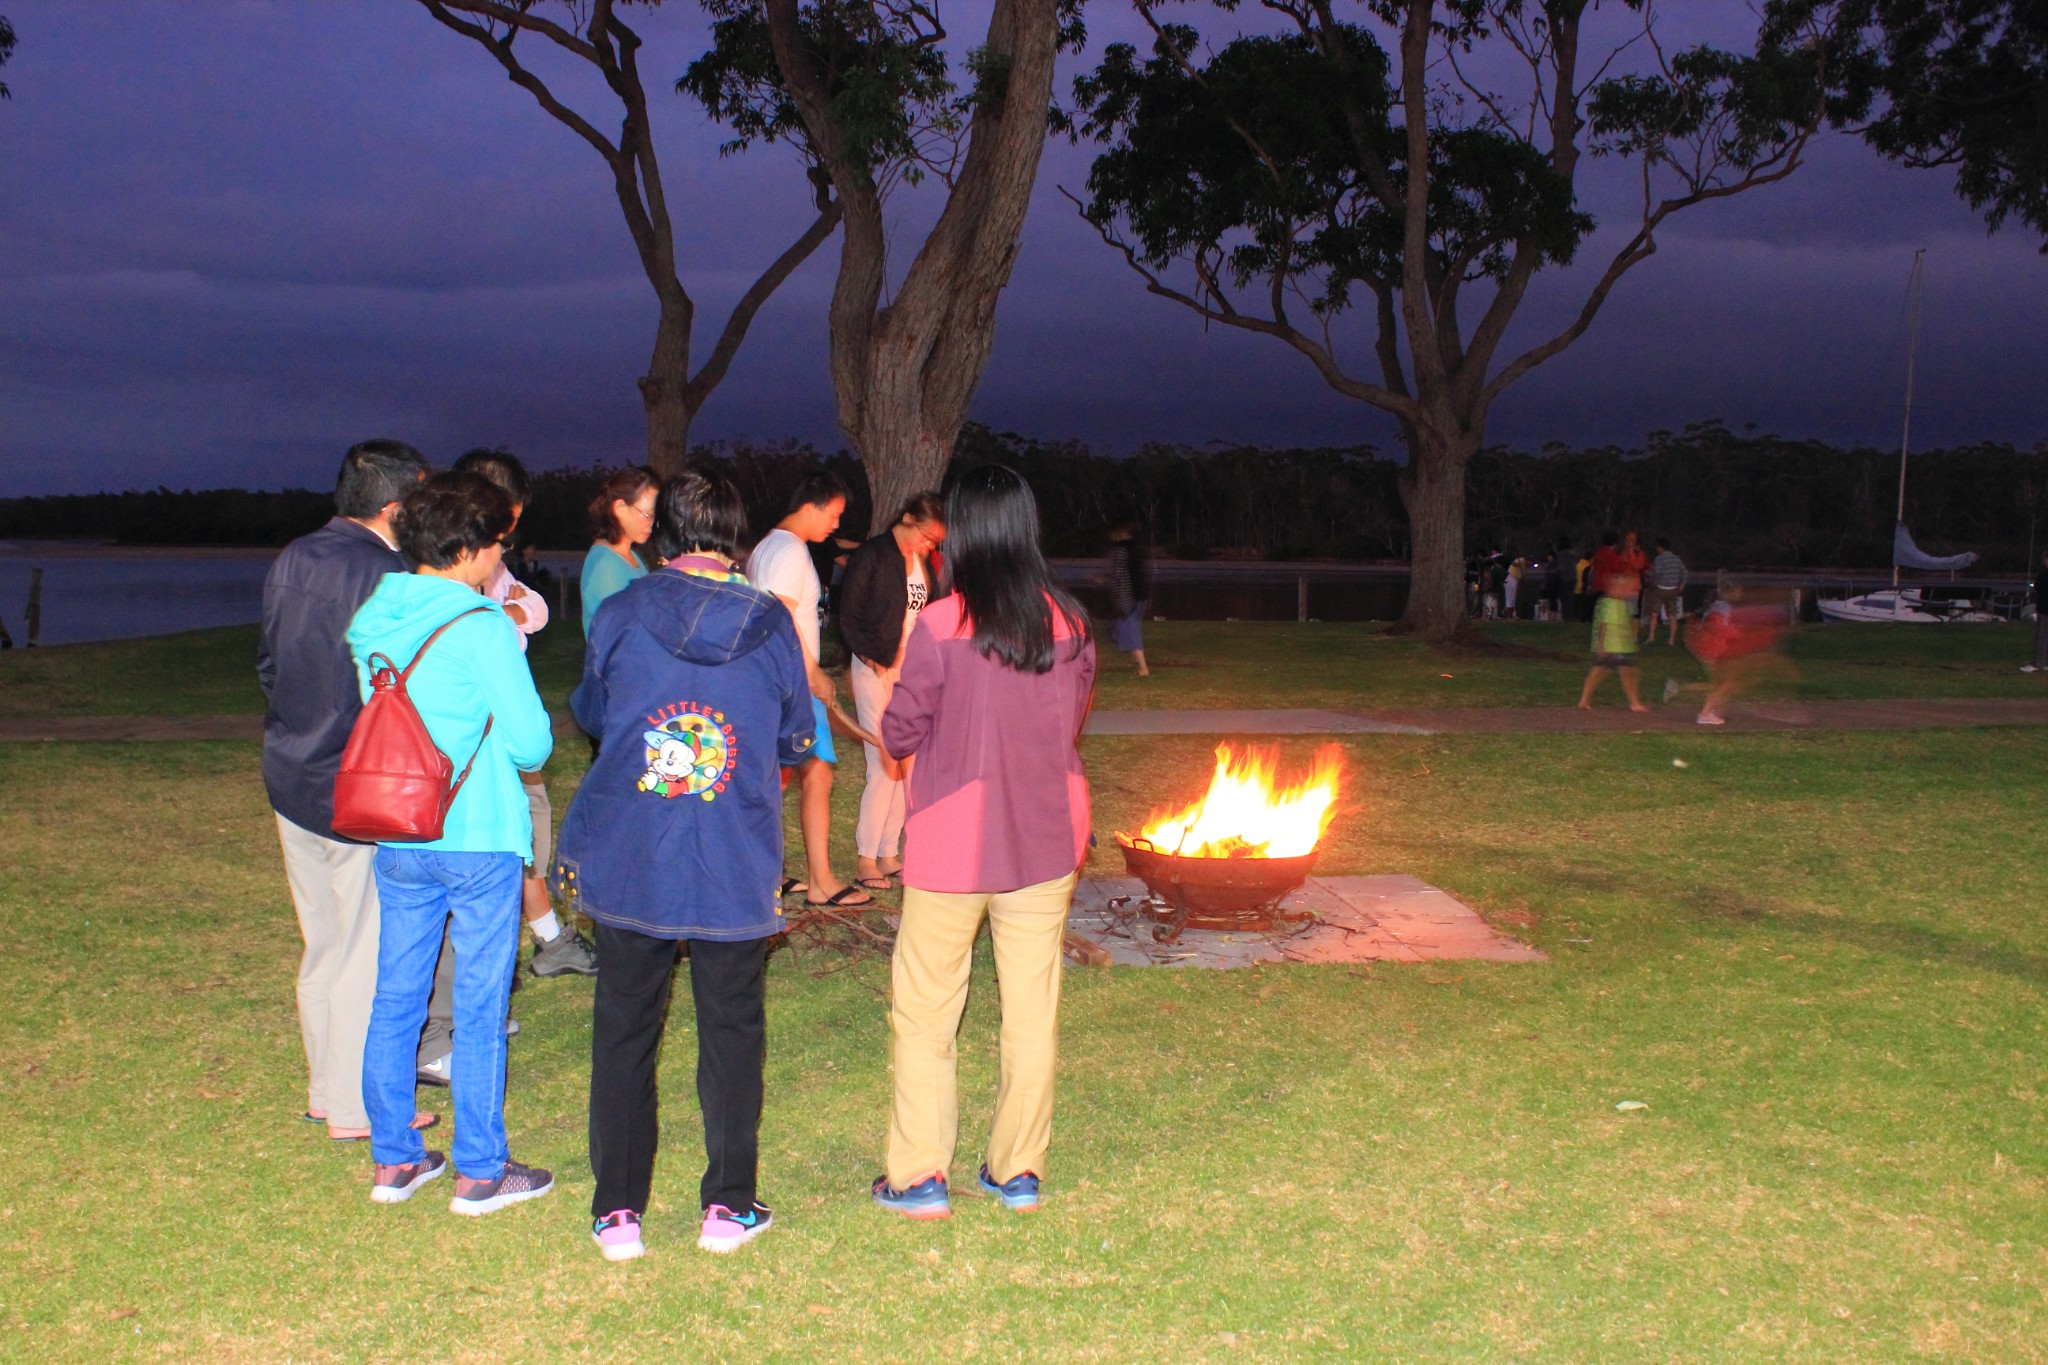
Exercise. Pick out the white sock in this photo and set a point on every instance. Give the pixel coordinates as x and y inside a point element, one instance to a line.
<point>547,928</point>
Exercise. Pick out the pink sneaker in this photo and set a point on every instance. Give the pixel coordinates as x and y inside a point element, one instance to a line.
<point>725,1230</point>
<point>617,1235</point>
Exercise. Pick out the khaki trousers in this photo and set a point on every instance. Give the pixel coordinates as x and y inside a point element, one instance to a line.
<point>928,981</point>
<point>336,897</point>
<point>878,833</point>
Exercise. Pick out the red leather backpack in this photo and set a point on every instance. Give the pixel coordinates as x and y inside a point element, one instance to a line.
<point>393,787</point>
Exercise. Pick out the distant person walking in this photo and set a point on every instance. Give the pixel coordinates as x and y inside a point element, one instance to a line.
<point>621,519</point>
<point>310,705</point>
<point>996,683</point>
<point>1558,584</point>
<point>1130,591</point>
<point>1614,641</point>
<point>696,681</point>
<point>476,698</point>
<point>1665,593</point>
<point>2040,663</point>
<point>889,580</point>
<point>781,564</point>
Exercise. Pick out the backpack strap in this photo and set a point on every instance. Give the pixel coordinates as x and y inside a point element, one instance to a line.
<point>421,653</point>
<point>455,790</point>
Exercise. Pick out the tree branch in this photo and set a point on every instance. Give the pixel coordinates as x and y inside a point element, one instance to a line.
<point>520,76</point>
<point>742,317</point>
<point>1397,402</point>
<point>1430,377</point>
<point>1639,249</point>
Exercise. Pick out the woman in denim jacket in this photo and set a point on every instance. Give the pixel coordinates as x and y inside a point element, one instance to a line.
<point>694,681</point>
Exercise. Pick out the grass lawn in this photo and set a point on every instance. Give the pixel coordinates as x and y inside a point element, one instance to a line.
<point>1815,957</point>
<point>1197,664</point>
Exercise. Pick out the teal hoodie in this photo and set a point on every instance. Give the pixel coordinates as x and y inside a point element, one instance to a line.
<point>475,670</point>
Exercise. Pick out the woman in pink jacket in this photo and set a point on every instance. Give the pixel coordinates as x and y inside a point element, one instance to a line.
<point>996,682</point>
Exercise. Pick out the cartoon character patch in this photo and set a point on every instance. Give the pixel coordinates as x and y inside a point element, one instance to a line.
<point>689,753</point>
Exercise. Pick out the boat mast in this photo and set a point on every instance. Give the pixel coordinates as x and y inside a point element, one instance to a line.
<point>1906,425</point>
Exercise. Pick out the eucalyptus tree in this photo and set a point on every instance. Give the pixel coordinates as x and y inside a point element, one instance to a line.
<point>865,89</point>
<point>1951,83</point>
<point>1420,161</point>
<point>593,33</point>
<point>6,51</point>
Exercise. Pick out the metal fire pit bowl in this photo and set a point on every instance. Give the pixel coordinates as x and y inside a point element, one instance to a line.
<point>1215,893</point>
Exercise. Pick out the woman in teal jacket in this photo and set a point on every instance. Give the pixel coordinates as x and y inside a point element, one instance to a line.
<point>476,696</point>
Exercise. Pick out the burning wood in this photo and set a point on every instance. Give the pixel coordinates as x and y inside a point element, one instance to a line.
<point>1227,861</point>
<point>1246,813</point>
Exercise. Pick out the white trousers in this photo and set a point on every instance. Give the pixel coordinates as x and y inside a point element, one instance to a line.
<point>336,897</point>
<point>879,831</point>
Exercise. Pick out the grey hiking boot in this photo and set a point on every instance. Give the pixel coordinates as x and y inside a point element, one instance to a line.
<point>570,954</point>
<point>474,1198</point>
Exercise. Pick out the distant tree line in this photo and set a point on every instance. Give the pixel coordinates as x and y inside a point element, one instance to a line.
<point>1725,498</point>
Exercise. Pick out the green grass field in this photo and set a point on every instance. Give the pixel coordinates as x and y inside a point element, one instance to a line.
<point>1197,664</point>
<point>1815,957</point>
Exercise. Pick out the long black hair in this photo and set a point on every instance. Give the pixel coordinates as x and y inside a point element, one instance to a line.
<point>1000,572</point>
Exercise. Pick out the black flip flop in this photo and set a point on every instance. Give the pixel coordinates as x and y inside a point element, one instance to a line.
<point>838,899</point>
<point>790,887</point>
<point>880,883</point>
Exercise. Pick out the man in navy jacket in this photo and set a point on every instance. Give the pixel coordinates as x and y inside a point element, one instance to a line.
<point>311,703</point>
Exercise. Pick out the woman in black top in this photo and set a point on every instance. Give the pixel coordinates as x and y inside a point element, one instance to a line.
<point>889,579</point>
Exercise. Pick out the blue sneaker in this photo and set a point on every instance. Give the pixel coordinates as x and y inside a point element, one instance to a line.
<point>1019,1192</point>
<point>926,1199</point>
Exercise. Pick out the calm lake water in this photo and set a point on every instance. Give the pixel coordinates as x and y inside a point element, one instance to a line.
<point>113,594</point>
<point>108,593</point>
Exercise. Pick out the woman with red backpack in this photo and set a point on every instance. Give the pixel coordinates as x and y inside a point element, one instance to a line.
<point>464,676</point>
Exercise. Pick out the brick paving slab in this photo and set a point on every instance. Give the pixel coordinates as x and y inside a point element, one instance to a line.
<point>1387,918</point>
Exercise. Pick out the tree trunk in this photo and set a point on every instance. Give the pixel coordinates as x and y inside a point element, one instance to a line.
<point>899,454</point>
<point>664,391</point>
<point>898,449</point>
<point>904,372</point>
<point>1433,489</point>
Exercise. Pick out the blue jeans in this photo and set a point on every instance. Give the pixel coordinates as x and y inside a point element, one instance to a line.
<point>419,889</point>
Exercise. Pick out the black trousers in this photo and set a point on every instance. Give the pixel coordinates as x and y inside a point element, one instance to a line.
<point>728,983</point>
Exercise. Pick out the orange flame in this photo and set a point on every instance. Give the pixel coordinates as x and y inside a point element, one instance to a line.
<point>1247,814</point>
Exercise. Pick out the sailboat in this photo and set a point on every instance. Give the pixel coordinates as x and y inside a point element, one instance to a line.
<point>1902,604</point>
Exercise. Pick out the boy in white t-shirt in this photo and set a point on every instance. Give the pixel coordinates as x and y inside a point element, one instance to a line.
<point>781,564</point>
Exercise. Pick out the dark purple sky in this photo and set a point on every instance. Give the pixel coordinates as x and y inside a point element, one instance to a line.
<point>236,235</point>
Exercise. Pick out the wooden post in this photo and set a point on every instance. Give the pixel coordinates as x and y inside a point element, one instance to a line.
<point>1301,597</point>
<point>35,606</point>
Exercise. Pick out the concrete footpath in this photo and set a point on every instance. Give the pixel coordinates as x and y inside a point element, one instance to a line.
<point>1612,718</point>
<point>1743,718</point>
